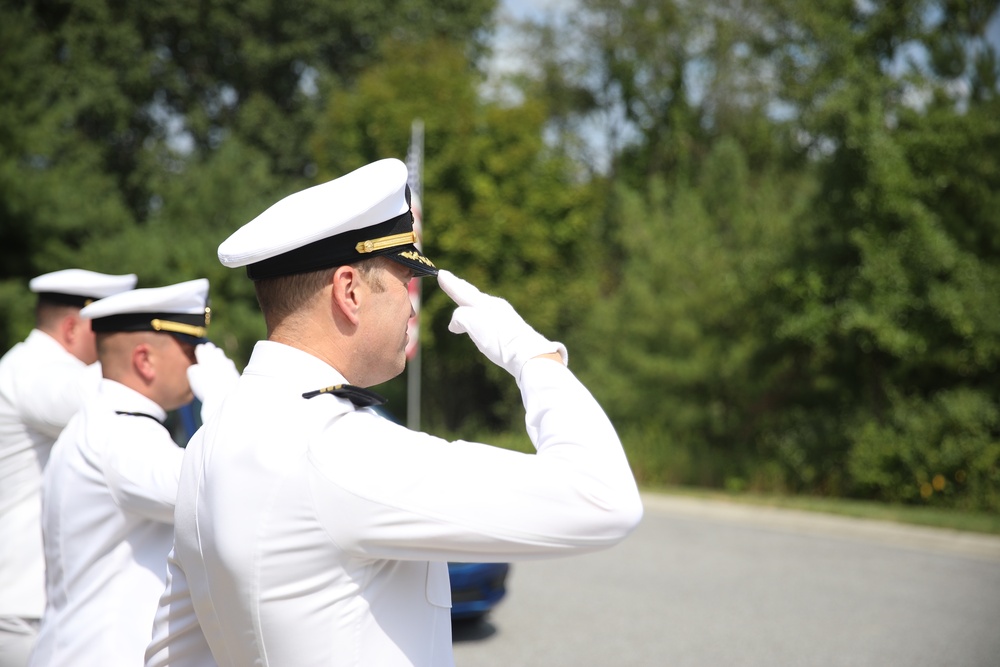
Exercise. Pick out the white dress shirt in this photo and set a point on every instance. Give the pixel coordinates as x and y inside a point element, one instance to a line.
<point>41,387</point>
<point>309,532</point>
<point>108,503</point>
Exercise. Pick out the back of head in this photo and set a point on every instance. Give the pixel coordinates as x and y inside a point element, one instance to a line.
<point>115,350</point>
<point>146,338</point>
<point>49,315</point>
<point>61,295</point>
<point>282,299</point>
<point>285,299</point>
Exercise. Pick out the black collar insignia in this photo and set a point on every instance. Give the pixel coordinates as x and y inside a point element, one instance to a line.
<point>360,396</point>
<point>138,414</point>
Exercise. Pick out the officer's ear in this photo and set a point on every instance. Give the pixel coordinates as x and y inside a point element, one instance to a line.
<point>346,294</point>
<point>69,326</point>
<point>143,361</point>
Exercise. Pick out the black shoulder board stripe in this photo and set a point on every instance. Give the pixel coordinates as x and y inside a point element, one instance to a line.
<point>360,396</point>
<point>138,414</point>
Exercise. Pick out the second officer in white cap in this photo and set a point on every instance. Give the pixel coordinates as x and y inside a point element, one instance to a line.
<point>43,382</point>
<point>111,483</point>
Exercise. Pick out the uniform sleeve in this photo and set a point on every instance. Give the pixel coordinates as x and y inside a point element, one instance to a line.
<point>142,467</point>
<point>178,640</point>
<point>404,495</point>
<point>51,395</point>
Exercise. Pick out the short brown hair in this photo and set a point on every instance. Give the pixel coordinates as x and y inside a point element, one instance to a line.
<point>48,314</point>
<point>281,296</point>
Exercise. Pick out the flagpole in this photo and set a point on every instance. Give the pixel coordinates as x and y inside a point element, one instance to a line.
<point>415,160</point>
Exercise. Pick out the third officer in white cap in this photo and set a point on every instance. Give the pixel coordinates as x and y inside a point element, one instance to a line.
<point>309,530</point>
<point>111,483</point>
<point>43,382</point>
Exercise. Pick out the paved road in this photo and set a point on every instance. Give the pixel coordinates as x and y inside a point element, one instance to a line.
<point>712,584</point>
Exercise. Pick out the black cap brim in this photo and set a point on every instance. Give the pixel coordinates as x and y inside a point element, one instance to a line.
<point>412,259</point>
<point>190,340</point>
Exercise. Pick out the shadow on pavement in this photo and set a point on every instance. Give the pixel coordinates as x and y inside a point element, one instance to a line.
<point>472,630</point>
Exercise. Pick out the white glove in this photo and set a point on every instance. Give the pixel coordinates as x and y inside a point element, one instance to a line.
<point>495,327</point>
<point>211,378</point>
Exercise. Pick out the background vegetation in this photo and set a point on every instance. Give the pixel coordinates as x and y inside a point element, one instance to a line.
<point>769,232</point>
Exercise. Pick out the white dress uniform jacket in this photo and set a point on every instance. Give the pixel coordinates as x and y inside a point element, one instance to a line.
<point>41,387</point>
<point>309,532</point>
<point>108,504</point>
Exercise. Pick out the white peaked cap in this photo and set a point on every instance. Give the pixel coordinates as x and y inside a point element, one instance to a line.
<point>80,285</point>
<point>363,214</point>
<point>179,309</point>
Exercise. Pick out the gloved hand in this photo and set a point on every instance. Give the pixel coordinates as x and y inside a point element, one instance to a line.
<point>211,378</point>
<point>495,327</point>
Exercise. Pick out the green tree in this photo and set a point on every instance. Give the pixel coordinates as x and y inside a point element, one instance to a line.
<point>899,316</point>
<point>873,128</point>
<point>107,104</point>
<point>200,206</point>
<point>54,192</point>
<point>676,352</point>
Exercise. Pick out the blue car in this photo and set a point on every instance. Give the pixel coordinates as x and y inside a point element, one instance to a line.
<point>476,588</point>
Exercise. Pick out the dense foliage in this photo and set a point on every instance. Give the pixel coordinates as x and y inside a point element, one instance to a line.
<point>769,232</point>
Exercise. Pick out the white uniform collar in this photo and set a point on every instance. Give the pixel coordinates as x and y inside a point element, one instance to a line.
<point>270,358</point>
<point>304,374</point>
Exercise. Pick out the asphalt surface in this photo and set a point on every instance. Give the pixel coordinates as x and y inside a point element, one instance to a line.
<point>709,584</point>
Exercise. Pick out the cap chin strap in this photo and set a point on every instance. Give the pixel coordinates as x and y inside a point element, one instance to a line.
<point>406,238</point>
<point>178,327</point>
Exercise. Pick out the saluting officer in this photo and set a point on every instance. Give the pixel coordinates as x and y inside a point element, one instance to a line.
<point>43,381</point>
<point>111,483</point>
<point>311,531</point>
